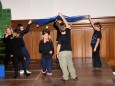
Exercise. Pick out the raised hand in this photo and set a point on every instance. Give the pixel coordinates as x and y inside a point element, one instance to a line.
<point>30,21</point>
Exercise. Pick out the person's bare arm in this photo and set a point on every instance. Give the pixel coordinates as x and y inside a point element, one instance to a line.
<point>58,49</point>
<point>64,20</point>
<point>96,45</point>
<point>92,23</point>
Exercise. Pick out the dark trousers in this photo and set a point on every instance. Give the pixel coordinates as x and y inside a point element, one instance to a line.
<point>7,59</point>
<point>27,56</point>
<point>17,60</point>
<point>46,64</point>
<point>96,57</point>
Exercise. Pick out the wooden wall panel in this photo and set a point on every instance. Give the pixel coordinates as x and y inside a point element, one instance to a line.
<point>77,43</point>
<point>112,44</point>
<point>88,37</point>
<point>36,35</point>
<point>103,44</point>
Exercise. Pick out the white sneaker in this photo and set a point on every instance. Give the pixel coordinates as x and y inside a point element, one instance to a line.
<point>28,71</point>
<point>21,71</point>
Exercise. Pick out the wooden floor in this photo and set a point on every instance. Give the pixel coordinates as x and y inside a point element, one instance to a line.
<point>87,77</point>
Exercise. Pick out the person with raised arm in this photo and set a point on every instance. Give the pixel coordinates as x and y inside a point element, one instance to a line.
<point>64,51</point>
<point>95,44</point>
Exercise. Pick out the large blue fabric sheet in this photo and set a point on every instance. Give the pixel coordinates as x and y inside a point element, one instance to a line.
<point>51,19</point>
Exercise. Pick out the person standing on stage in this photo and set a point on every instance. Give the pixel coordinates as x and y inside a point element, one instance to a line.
<point>17,45</point>
<point>8,48</point>
<point>64,51</point>
<point>47,50</point>
<point>95,44</point>
<point>26,54</point>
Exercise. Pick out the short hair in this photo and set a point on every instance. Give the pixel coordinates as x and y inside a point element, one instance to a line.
<point>62,26</point>
<point>98,24</point>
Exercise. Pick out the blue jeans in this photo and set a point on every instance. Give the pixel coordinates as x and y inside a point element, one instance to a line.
<point>26,54</point>
<point>46,64</point>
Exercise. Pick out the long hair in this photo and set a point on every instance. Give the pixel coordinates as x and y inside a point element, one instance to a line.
<point>46,32</point>
<point>16,33</point>
<point>18,27</point>
<point>11,30</point>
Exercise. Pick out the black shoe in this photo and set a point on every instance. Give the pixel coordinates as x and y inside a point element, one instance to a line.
<point>27,74</point>
<point>75,79</point>
<point>15,77</point>
<point>65,81</point>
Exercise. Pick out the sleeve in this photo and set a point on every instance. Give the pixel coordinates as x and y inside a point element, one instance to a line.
<point>68,30</point>
<point>99,35</point>
<point>25,30</point>
<point>40,47</point>
<point>52,48</point>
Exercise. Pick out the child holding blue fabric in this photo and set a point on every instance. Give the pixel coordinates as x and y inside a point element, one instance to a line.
<point>95,44</point>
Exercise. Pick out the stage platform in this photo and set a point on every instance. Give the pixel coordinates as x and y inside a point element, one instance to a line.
<point>86,76</point>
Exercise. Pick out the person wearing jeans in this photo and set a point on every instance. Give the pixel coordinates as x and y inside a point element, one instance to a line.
<point>26,54</point>
<point>47,50</point>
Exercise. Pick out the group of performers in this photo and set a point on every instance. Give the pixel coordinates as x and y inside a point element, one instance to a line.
<point>15,47</point>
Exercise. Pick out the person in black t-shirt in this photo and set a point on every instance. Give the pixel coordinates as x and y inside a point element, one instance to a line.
<point>95,44</point>
<point>47,50</point>
<point>64,51</point>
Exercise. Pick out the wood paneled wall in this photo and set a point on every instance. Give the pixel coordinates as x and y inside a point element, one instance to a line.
<point>81,35</point>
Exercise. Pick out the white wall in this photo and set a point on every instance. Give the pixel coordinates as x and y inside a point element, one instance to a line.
<point>32,9</point>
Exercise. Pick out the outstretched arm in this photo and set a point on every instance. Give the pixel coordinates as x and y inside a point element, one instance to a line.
<point>26,29</point>
<point>92,23</point>
<point>64,20</point>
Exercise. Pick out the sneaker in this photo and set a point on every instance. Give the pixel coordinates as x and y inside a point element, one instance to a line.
<point>28,72</point>
<point>98,68</point>
<point>21,71</point>
<point>93,68</point>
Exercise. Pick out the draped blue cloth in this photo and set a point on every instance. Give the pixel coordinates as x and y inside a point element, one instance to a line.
<point>51,19</point>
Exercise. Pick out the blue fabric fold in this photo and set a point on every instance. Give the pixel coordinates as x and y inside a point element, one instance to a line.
<point>51,19</point>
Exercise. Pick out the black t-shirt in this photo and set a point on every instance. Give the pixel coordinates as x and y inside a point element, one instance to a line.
<point>96,35</point>
<point>45,48</point>
<point>65,41</point>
